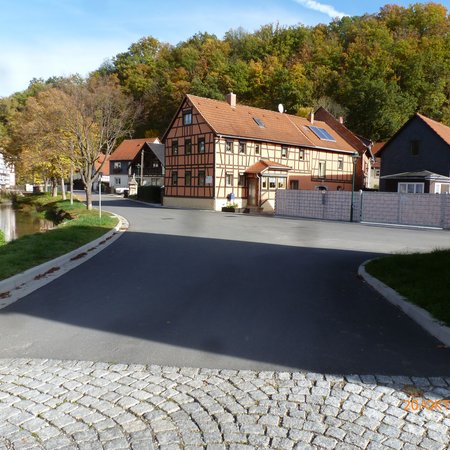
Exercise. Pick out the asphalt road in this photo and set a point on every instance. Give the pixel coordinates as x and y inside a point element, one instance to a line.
<point>218,290</point>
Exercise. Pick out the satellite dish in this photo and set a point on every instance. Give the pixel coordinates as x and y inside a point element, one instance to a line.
<point>281,108</point>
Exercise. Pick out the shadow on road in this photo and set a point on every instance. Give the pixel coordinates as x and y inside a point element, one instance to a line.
<point>302,308</point>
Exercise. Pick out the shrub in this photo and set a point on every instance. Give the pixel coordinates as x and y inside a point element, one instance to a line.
<point>151,194</point>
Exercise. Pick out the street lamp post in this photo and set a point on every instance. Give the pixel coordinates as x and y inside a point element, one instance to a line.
<point>100,194</point>
<point>355,157</point>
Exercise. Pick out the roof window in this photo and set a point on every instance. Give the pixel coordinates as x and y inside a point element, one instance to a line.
<point>259,122</point>
<point>322,134</point>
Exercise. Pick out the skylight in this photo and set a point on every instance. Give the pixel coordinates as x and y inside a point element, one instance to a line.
<point>322,134</point>
<point>259,122</point>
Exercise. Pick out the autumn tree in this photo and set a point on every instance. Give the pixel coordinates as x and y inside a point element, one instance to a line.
<point>97,115</point>
<point>39,137</point>
<point>378,68</point>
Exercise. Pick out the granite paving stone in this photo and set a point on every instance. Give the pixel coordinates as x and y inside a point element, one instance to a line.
<point>51,404</point>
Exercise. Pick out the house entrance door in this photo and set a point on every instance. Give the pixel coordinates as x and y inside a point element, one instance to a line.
<point>252,192</point>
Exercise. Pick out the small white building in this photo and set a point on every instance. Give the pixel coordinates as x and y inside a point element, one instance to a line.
<point>7,174</point>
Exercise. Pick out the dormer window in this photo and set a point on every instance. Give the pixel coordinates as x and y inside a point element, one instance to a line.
<point>187,117</point>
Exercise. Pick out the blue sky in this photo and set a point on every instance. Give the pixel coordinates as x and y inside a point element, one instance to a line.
<point>42,38</point>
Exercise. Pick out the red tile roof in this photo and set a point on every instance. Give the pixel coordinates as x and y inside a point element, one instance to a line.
<point>239,122</point>
<point>105,168</point>
<point>377,146</point>
<point>129,148</point>
<point>439,128</point>
<point>265,164</point>
<point>358,142</point>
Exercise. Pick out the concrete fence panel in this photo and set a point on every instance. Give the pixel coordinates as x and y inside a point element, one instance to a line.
<point>420,209</point>
<point>380,207</point>
<point>431,210</point>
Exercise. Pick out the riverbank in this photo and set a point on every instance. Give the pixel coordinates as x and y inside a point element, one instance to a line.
<point>74,227</point>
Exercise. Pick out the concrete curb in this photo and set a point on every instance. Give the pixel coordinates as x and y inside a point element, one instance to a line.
<point>22,284</point>
<point>419,315</point>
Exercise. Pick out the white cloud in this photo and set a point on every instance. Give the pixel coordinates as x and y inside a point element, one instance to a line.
<point>321,7</point>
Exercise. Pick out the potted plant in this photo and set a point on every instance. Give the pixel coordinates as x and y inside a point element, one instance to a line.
<point>230,207</point>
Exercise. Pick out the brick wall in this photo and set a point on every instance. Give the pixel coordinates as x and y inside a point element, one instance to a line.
<point>380,207</point>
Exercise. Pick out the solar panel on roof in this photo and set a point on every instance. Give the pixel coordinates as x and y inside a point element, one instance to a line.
<point>322,134</point>
<point>259,122</point>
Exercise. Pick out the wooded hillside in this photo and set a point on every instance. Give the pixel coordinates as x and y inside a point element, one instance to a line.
<point>376,70</point>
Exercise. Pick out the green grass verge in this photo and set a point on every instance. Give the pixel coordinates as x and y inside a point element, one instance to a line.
<point>423,278</point>
<point>77,227</point>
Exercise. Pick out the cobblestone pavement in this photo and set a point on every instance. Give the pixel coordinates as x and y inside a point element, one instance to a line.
<point>47,404</point>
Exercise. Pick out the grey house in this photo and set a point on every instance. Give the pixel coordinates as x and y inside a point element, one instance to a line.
<point>417,158</point>
<point>142,159</point>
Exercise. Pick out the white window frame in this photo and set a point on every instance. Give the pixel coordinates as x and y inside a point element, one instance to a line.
<point>281,183</point>
<point>438,188</point>
<point>187,117</point>
<point>201,145</point>
<point>322,169</point>
<point>406,188</point>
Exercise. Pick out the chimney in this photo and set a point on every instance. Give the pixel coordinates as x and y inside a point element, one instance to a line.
<point>231,99</point>
<point>341,120</point>
<point>311,117</point>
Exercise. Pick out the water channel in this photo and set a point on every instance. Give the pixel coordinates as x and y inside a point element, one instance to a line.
<point>15,224</point>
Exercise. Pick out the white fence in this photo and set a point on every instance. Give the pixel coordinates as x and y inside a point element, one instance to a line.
<point>432,210</point>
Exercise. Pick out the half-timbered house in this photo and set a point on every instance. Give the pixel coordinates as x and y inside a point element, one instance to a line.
<point>218,152</point>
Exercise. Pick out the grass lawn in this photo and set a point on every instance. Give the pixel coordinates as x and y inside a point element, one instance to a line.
<point>423,278</point>
<point>77,226</point>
